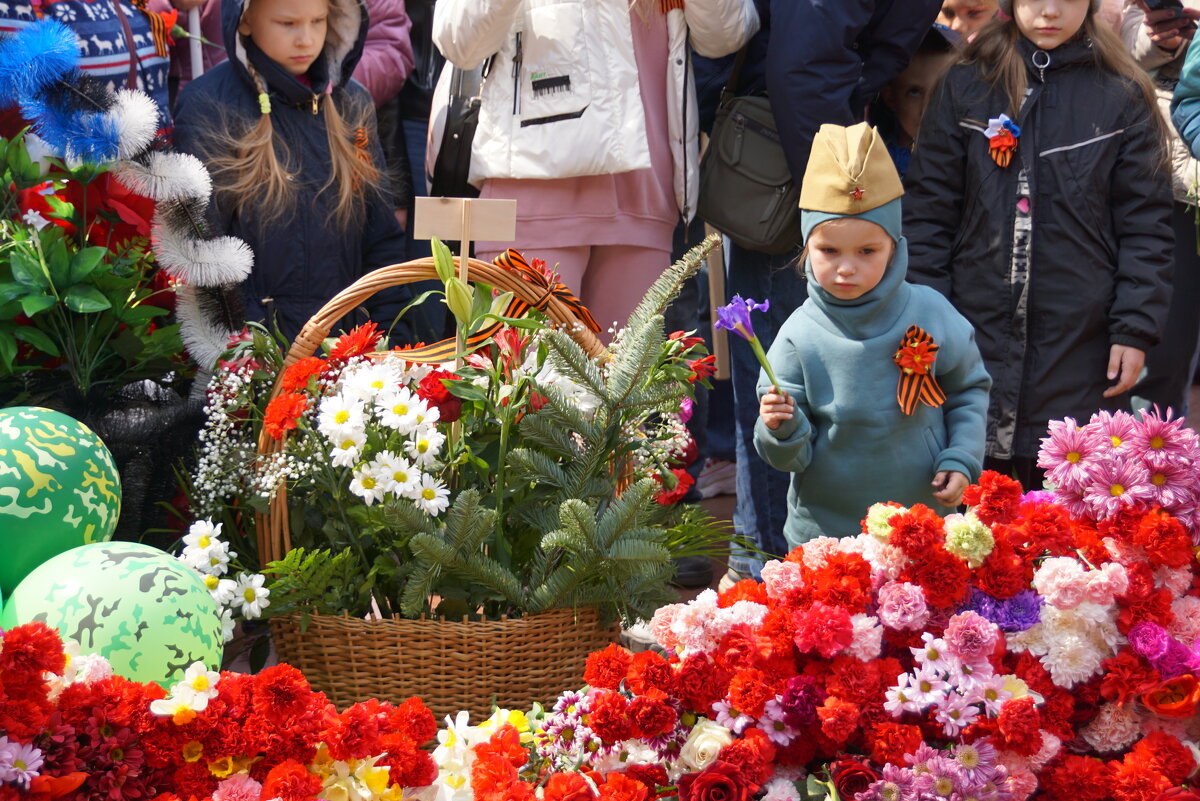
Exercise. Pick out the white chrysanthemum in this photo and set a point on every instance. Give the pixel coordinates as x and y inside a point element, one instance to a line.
<point>432,496</point>
<point>369,380</point>
<point>202,533</point>
<point>399,409</point>
<point>425,446</point>
<point>1072,659</point>
<point>200,680</point>
<point>212,557</point>
<point>227,623</point>
<point>222,590</point>
<point>341,417</point>
<point>397,473</point>
<point>251,595</point>
<point>347,450</point>
<point>427,416</point>
<point>367,485</point>
<point>181,700</point>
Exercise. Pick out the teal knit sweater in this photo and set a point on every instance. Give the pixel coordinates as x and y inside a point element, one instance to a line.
<point>849,444</point>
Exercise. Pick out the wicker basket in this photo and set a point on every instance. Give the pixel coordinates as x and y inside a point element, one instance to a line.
<point>451,665</point>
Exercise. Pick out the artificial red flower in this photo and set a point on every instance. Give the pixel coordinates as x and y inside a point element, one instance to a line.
<point>358,342</point>
<point>651,716</point>
<point>702,368</point>
<point>720,781</point>
<point>839,719</point>
<point>916,356</point>
<point>571,787</point>
<point>823,629</point>
<point>995,498</point>
<point>1019,726</point>
<point>33,202</point>
<point>296,377</point>
<point>607,668</point>
<point>291,781</point>
<point>283,413</point>
<point>749,692</point>
<point>683,483</point>
<point>434,392</point>
<point>685,341</point>
<point>649,671</point>
<point>637,783</point>
<point>609,717</point>
<point>851,776</point>
<point>114,214</point>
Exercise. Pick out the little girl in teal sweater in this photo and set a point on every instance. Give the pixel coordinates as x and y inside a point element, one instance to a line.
<point>882,394</point>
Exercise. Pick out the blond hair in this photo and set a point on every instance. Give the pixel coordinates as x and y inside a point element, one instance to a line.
<point>255,171</point>
<point>995,54</point>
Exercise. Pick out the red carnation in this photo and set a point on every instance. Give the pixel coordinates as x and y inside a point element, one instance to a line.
<point>635,784</point>
<point>941,575</point>
<point>753,753</point>
<point>30,650</point>
<point>567,787</point>
<point>296,377</point>
<point>994,499</point>
<point>607,668</point>
<point>1155,608</point>
<point>1165,539</point>
<point>917,530</point>
<point>413,720</point>
<point>1166,755</point>
<point>651,716</point>
<point>492,777</point>
<point>1043,528</point>
<point>433,391</point>
<point>1076,777</point>
<point>744,590</point>
<point>281,692</point>
<point>291,781</point>
<point>505,743</point>
<point>1127,676</point>
<point>1019,726</point>
<point>409,765</point>
<point>283,413</point>
<point>749,692</point>
<point>1003,573</point>
<point>891,742</point>
<point>823,629</point>
<point>609,717</point>
<point>1134,780</point>
<point>844,580</point>
<point>1178,794</point>
<point>720,781</point>
<point>699,683</point>
<point>839,719</point>
<point>649,671</point>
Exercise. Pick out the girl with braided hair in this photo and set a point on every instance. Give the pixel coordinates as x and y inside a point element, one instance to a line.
<point>291,144</point>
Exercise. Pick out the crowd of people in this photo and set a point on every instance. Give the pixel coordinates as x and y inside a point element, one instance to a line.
<point>1024,196</point>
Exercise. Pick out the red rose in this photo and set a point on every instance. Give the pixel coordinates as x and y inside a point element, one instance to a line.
<point>433,391</point>
<point>720,781</point>
<point>851,776</point>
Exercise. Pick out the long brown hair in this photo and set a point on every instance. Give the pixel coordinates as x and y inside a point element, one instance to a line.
<point>253,169</point>
<point>995,54</point>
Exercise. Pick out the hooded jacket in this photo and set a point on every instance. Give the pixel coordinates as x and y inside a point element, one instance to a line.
<point>302,259</point>
<point>1094,269</point>
<point>849,444</point>
<point>561,98</point>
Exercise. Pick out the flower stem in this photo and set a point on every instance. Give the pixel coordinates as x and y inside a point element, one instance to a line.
<point>757,347</point>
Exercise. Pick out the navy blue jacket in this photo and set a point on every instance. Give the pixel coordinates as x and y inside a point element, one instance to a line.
<point>827,59</point>
<point>302,259</point>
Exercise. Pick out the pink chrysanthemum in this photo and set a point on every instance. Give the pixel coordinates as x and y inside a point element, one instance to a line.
<point>1164,439</point>
<point>1116,483</point>
<point>1172,482</point>
<point>1067,453</point>
<point>1114,429</point>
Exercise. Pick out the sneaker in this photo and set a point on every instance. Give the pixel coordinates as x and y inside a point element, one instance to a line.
<point>718,477</point>
<point>730,578</point>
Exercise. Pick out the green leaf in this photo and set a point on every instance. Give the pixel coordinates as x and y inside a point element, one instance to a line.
<point>84,263</point>
<point>34,304</point>
<point>37,338</point>
<point>11,291</point>
<point>466,390</point>
<point>86,299</point>
<point>8,351</point>
<point>27,269</point>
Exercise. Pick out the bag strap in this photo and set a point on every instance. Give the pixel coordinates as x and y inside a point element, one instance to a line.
<point>134,60</point>
<point>729,91</point>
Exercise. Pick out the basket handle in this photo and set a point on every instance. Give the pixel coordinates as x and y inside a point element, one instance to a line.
<point>274,537</point>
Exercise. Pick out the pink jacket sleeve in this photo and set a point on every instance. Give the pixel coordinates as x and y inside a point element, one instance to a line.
<point>387,56</point>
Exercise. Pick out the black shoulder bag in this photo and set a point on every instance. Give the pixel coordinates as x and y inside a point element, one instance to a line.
<point>453,165</point>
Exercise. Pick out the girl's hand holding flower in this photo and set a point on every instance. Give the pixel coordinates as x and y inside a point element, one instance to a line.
<point>777,406</point>
<point>948,487</point>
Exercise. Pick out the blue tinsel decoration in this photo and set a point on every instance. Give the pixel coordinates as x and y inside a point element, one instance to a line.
<point>35,58</point>
<point>88,136</point>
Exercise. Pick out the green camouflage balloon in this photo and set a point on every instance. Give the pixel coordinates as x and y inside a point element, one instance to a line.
<point>141,608</point>
<point>58,488</point>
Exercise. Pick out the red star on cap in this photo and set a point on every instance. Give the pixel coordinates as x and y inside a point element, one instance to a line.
<point>857,193</point>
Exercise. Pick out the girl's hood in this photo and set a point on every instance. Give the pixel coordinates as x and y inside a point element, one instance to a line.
<point>343,43</point>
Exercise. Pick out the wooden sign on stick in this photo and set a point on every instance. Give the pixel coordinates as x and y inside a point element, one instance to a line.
<point>464,220</point>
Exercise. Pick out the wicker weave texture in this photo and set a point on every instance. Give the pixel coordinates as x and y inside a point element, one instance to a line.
<point>450,665</point>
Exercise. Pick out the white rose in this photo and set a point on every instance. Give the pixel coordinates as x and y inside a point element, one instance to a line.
<point>703,744</point>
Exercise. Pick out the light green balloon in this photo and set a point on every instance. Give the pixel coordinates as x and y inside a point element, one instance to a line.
<point>148,613</point>
<point>59,488</point>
